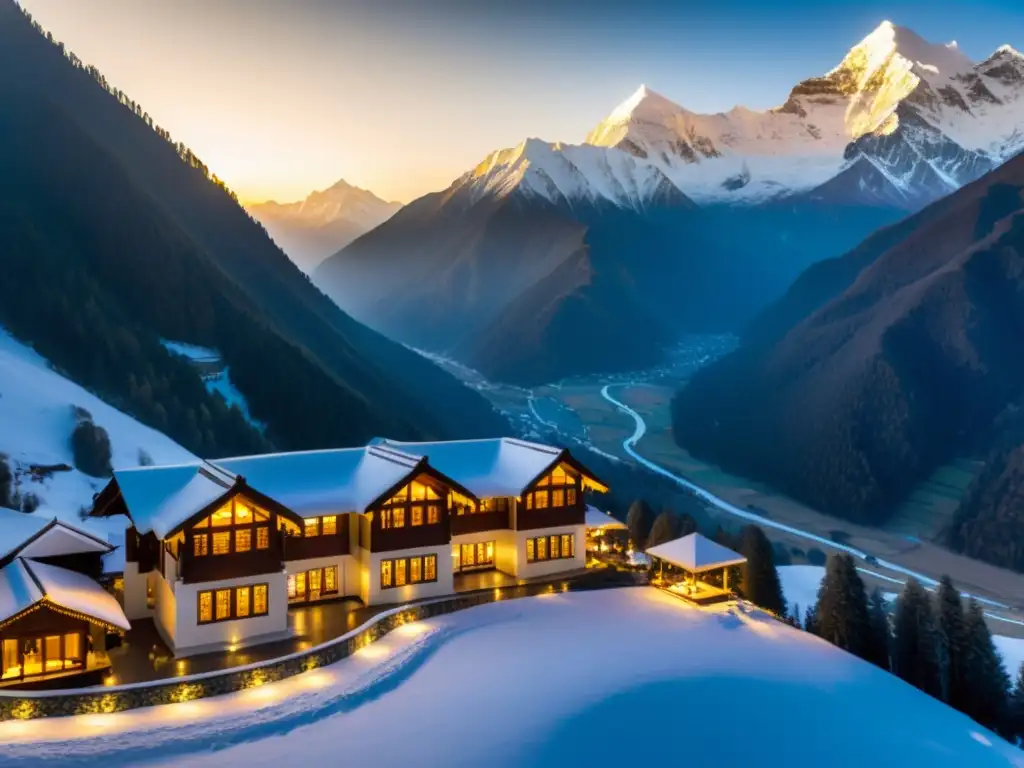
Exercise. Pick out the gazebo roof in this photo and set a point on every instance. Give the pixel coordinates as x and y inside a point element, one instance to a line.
<point>597,520</point>
<point>696,553</point>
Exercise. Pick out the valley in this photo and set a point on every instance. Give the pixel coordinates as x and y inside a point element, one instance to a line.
<point>580,415</point>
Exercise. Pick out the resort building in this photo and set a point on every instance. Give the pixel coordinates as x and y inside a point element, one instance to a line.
<point>217,551</point>
<point>55,617</point>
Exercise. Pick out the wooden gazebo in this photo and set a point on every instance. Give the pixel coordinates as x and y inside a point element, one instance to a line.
<point>694,555</point>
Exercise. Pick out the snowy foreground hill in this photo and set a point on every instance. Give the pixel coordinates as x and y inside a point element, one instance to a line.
<point>36,422</point>
<point>618,677</point>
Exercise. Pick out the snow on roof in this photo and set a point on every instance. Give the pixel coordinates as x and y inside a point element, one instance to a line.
<point>696,553</point>
<point>161,498</point>
<point>599,520</point>
<point>17,527</point>
<point>18,591</point>
<point>27,532</point>
<point>310,483</point>
<point>313,483</point>
<point>487,468</point>
<point>77,592</point>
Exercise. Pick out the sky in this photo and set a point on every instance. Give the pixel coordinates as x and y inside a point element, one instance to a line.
<point>282,97</point>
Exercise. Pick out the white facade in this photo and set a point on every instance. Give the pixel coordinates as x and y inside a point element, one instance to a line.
<point>135,603</point>
<point>371,592</point>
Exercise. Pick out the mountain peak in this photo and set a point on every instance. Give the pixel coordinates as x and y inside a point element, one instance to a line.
<point>643,101</point>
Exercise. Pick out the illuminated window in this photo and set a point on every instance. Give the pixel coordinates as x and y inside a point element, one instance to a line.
<point>419,492</point>
<point>540,500</point>
<point>400,572</point>
<point>242,602</point>
<point>398,517</point>
<point>542,548</point>
<point>223,604</point>
<point>291,585</point>
<point>531,552</point>
<point>243,512</point>
<point>331,579</point>
<point>222,542</point>
<point>330,525</point>
<point>432,494</point>
<point>311,527</point>
<point>433,513</point>
<point>201,545</point>
<point>51,649</point>
<point>205,607</point>
<point>401,496</point>
<point>545,481</point>
<point>300,585</point>
<point>261,516</point>
<point>314,583</point>
<point>259,599</point>
<point>415,570</point>
<point>568,545</point>
<point>385,574</point>
<point>558,498</point>
<point>430,568</point>
<point>570,497</point>
<point>553,548</point>
<point>72,648</point>
<point>263,537</point>
<point>468,555</point>
<point>204,523</point>
<point>243,539</point>
<point>417,514</point>
<point>222,516</point>
<point>288,526</point>
<point>489,551</point>
<point>529,501</point>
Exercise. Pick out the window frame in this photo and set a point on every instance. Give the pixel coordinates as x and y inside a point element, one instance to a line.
<point>427,564</point>
<point>250,590</point>
<point>533,547</point>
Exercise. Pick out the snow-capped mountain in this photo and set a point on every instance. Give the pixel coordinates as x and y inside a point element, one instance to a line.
<point>310,230</point>
<point>900,120</point>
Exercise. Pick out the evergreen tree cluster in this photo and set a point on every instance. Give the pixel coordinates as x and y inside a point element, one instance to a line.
<point>937,644</point>
<point>90,446</point>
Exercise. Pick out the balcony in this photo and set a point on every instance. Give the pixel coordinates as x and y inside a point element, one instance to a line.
<point>211,567</point>
<point>331,545</point>
<point>409,537</point>
<point>549,517</point>
<point>480,521</point>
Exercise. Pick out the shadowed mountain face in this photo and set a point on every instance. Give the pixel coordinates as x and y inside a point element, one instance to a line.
<point>882,364</point>
<point>112,243</point>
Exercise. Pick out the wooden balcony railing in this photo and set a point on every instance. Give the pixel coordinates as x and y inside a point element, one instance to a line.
<point>480,521</point>
<point>302,548</point>
<point>409,537</point>
<point>216,567</point>
<point>549,517</point>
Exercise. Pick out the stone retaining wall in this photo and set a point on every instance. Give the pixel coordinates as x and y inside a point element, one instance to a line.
<point>24,705</point>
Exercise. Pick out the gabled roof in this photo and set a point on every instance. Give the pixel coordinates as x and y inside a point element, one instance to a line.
<point>696,553</point>
<point>161,498</point>
<point>35,535</point>
<point>308,483</point>
<point>25,582</point>
<point>502,466</point>
<point>598,520</point>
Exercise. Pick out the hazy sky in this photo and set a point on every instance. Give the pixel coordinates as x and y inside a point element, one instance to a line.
<point>280,97</point>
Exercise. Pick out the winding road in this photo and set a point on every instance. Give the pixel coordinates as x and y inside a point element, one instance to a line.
<point>629,446</point>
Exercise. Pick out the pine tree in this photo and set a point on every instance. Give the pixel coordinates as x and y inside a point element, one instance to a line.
<point>879,636</point>
<point>759,580</point>
<point>952,644</point>
<point>665,528</point>
<point>987,684</point>
<point>811,619</point>
<point>842,610</point>
<point>914,655</point>
<point>1015,716</point>
<point>639,521</point>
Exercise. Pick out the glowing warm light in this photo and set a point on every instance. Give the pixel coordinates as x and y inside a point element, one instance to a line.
<point>375,651</point>
<point>264,693</point>
<point>181,666</point>
<point>110,680</point>
<point>411,630</point>
<point>184,711</point>
<point>95,721</point>
<point>233,647</point>
<point>316,679</point>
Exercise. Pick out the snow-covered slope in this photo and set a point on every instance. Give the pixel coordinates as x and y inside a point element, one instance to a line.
<point>923,117</point>
<point>36,422</point>
<point>605,678</point>
<point>326,221</point>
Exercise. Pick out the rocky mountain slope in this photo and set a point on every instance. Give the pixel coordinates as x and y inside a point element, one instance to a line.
<point>326,221</point>
<point>879,366</point>
<point>552,259</point>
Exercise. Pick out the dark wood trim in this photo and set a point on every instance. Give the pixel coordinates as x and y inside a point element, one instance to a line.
<point>478,522</point>
<point>234,603</point>
<point>421,468</point>
<point>321,545</point>
<point>408,570</point>
<point>549,517</point>
<point>255,562</point>
<point>409,537</point>
<point>572,461</point>
<point>547,559</point>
